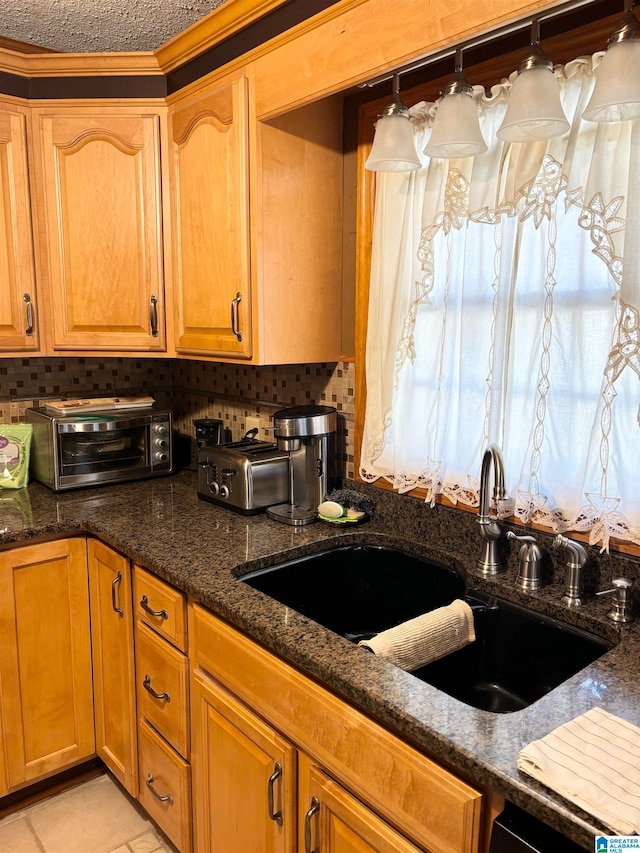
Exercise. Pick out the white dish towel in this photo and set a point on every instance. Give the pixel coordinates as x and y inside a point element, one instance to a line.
<point>593,761</point>
<point>426,638</point>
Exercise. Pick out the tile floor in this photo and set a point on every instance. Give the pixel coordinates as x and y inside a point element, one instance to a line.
<point>94,817</point>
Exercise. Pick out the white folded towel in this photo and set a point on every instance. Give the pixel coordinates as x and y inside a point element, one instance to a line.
<point>593,761</point>
<point>426,638</point>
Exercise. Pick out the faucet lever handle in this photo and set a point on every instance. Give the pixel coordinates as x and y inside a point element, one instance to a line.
<point>529,561</point>
<point>526,538</point>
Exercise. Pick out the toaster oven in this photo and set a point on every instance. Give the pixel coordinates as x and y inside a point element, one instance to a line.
<point>71,451</point>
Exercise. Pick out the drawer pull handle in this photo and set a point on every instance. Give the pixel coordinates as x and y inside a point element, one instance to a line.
<point>147,686</point>
<point>164,798</point>
<point>314,809</point>
<point>277,773</point>
<point>144,603</point>
<point>114,600</point>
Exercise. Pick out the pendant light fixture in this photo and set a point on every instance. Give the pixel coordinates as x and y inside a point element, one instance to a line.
<point>393,148</point>
<point>534,110</point>
<point>456,127</point>
<point>616,94</point>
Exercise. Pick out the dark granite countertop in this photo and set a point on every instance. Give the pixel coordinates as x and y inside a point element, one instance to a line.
<point>203,549</point>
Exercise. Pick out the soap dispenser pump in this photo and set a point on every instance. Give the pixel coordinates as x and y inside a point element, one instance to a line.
<point>529,562</point>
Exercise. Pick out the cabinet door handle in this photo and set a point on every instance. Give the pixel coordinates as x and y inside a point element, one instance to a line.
<point>277,773</point>
<point>164,798</point>
<point>235,323</point>
<point>114,601</point>
<point>314,809</point>
<point>153,315</point>
<point>27,300</point>
<point>147,686</point>
<point>144,603</point>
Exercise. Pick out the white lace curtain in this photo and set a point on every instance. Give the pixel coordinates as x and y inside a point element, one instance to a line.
<point>504,307</point>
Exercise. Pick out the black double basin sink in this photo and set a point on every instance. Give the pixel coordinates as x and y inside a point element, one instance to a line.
<point>357,591</point>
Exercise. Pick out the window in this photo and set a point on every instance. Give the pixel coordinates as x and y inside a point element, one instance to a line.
<point>504,307</point>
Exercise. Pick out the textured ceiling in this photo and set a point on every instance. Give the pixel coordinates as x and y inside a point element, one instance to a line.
<point>82,26</point>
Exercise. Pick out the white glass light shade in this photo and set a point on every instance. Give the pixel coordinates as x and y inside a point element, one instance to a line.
<point>393,148</point>
<point>534,110</point>
<point>616,94</point>
<point>456,129</point>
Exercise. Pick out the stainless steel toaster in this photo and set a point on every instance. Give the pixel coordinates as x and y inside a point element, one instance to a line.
<point>246,476</point>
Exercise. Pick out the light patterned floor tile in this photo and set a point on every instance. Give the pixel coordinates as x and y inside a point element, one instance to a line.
<point>16,836</point>
<point>150,842</point>
<point>95,817</point>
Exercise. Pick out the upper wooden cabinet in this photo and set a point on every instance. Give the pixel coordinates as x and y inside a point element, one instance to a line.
<point>209,166</point>
<point>18,303</point>
<point>98,189</point>
<point>257,226</point>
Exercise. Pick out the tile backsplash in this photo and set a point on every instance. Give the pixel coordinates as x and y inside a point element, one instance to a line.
<point>191,389</point>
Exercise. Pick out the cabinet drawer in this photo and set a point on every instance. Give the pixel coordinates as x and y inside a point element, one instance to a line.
<point>165,671</point>
<point>431,806</point>
<point>165,786</point>
<point>161,606</point>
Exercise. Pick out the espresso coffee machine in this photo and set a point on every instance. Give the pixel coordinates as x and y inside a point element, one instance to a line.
<point>308,434</point>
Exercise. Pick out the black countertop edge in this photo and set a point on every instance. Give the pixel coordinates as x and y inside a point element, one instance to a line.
<point>204,550</point>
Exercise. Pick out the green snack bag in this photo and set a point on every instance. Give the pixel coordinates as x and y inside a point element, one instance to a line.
<point>15,445</point>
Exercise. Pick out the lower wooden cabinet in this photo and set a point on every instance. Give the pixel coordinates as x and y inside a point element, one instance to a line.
<point>160,606</point>
<point>162,686</point>
<point>279,763</point>
<point>336,822</point>
<point>244,779</point>
<point>113,662</point>
<point>45,666</point>
<point>165,786</point>
<point>249,781</point>
<point>353,785</point>
<point>162,682</point>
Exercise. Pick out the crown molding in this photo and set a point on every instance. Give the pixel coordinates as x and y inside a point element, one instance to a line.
<point>23,46</point>
<point>34,65</point>
<point>218,25</point>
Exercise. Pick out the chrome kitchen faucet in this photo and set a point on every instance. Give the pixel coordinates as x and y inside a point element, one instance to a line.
<point>489,528</point>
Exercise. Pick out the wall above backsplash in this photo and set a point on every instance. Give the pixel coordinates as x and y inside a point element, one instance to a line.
<point>191,389</point>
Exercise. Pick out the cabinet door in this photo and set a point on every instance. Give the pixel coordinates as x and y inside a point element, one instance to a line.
<point>99,186</point>
<point>18,328</point>
<point>336,822</point>
<point>45,665</point>
<point>210,211</point>
<point>244,776</point>
<point>113,662</point>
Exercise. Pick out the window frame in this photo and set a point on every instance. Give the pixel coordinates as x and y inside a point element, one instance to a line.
<point>563,47</point>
